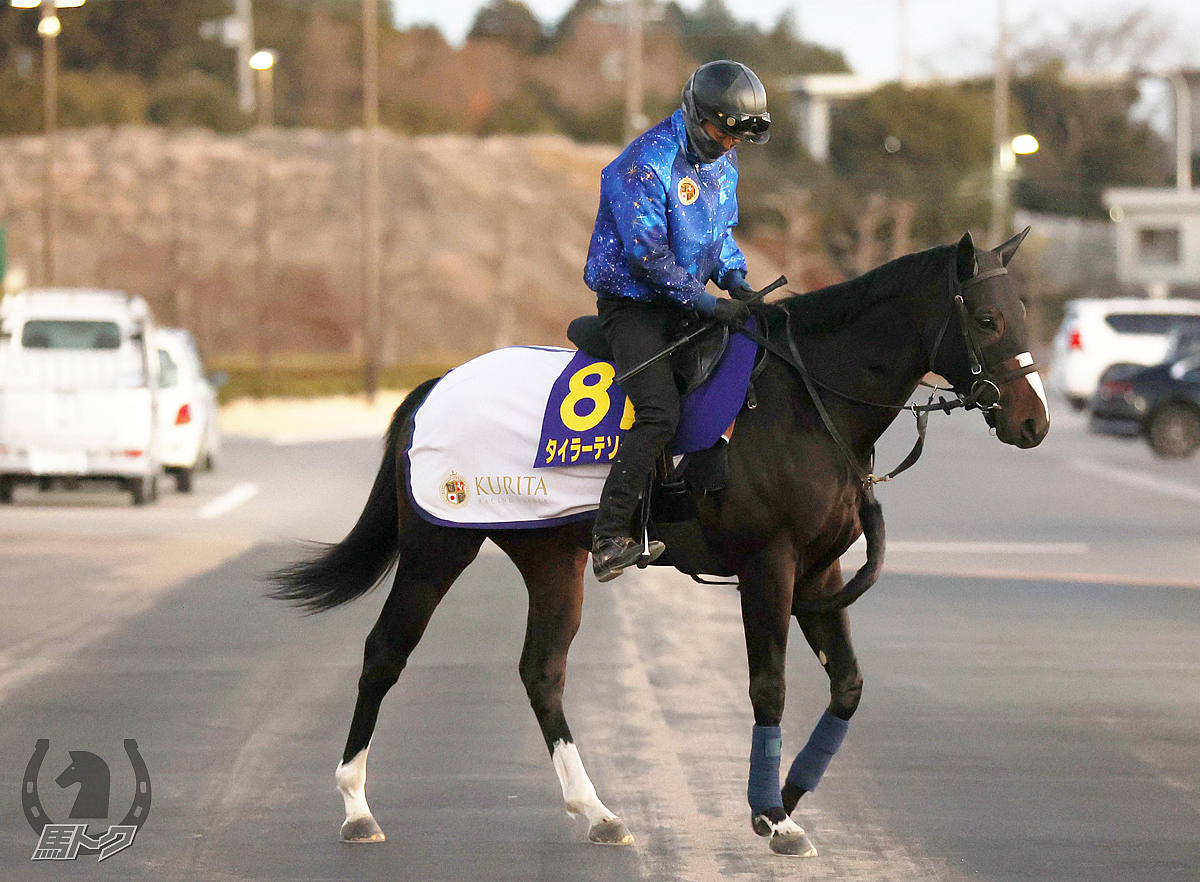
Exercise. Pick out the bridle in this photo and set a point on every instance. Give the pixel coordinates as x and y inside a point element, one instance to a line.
<point>983,392</point>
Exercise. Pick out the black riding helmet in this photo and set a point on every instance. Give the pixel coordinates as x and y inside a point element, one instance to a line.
<point>730,96</point>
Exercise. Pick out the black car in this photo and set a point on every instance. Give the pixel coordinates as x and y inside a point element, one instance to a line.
<point>1160,403</point>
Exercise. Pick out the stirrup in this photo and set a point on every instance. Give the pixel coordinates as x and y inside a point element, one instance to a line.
<point>650,550</point>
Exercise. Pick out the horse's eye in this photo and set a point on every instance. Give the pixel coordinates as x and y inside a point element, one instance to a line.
<point>987,322</point>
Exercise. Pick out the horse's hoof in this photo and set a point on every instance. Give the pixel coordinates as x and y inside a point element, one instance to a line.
<point>793,844</point>
<point>362,830</point>
<point>768,822</point>
<point>610,831</point>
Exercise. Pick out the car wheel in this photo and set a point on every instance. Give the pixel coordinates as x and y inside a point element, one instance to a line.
<point>7,482</point>
<point>144,489</point>
<point>1174,432</point>
<point>183,479</point>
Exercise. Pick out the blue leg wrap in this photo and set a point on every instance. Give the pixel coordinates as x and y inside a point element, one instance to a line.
<point>765,748</point>
<point>810,763</point>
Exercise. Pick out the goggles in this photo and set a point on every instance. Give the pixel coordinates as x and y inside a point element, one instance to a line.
<point>744,125</point>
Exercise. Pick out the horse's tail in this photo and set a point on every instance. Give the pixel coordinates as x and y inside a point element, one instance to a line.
<point>337,574</point>
<point>870,513</point>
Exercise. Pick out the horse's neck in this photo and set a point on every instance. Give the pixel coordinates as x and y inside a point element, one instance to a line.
<point>876,357</point>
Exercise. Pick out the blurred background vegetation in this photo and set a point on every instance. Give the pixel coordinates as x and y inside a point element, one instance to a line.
<point>908,166</point>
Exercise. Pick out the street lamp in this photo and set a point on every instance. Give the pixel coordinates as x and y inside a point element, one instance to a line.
<point>1023,145</point>
<point>263,61</point>
<point>49,27</point>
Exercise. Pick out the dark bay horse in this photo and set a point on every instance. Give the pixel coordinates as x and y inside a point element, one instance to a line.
<point>791,507</point>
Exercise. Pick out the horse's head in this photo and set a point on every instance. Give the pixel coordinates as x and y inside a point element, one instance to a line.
<point>983,347</point>
<point>82,768</point>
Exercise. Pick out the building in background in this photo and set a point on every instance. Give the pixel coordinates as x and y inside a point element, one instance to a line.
<point>1157,229</point>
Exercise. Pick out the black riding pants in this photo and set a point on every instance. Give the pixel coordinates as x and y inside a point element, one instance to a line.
<point>637,331</point>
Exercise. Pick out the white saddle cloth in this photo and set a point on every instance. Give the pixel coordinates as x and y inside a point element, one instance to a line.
<point>475,440</point>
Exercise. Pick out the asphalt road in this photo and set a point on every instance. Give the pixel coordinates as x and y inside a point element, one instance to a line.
<point>1031,711</point>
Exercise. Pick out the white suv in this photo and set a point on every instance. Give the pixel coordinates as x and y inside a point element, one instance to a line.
<point>1096,334</point>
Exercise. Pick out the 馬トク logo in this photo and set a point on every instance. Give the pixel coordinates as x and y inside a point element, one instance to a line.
<point>65,842</point>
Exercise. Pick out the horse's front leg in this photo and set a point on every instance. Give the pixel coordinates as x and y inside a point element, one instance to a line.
<point>766,588</point>
<point>829,636</point>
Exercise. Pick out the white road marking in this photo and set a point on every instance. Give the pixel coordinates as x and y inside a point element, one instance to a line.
<point>1137,480</point>
<point>950,546</point>
<point>1074,577</point>
<point>229,500</point>
<point>326,435</point>
<point>970,546</point>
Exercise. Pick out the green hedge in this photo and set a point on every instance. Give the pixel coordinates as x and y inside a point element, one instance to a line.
<point>313,377</point>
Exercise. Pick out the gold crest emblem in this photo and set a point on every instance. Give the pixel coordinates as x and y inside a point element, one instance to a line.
<point>454,489</point>
<point>689,192</point>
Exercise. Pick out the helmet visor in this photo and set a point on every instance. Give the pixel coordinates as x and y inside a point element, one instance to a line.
<point>755,128</point>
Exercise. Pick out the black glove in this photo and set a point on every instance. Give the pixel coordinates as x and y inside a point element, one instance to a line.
<point>743,292</point>
<point>731,312</point>
<point>739,288</point>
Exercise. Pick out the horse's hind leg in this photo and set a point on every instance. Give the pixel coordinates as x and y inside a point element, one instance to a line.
<point>829,636</point>
<point>552,564</point>
<point>430,560</point>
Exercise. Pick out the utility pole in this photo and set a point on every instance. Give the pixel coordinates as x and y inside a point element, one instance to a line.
<point>1183,130</point>
<point>264,276</point>
<point>49,28</point>
<point>371,258</point>
<point>635,115</point>
<point>1003,159</point>
<point>244,14</point>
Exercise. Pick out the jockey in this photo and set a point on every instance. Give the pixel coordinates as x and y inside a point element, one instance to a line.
<point>667,204</point>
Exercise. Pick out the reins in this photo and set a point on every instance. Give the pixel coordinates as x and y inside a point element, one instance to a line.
<point>791,356</point>
<point>985,383</point>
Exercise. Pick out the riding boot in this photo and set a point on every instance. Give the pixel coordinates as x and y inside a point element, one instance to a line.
<point>636,332</point>
<point>613,545</point>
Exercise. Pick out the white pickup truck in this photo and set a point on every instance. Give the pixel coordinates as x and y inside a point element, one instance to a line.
<point>78,391</point>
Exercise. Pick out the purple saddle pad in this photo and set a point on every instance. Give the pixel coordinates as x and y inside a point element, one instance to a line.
<point>587,413</point>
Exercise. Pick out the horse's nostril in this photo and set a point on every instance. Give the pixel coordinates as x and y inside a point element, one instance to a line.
<point>1030,429</point>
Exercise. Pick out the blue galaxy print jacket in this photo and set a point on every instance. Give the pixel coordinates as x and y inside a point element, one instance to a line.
<point>663,228</point>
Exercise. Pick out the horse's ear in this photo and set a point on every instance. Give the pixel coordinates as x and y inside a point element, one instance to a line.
<point>966,257</point>
<point>1009,248</point>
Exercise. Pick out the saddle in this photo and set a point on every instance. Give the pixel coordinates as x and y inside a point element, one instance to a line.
<point>668,511</point>
<point>692,365</point>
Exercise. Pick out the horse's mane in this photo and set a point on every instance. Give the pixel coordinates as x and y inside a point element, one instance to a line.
<point>828,309</point>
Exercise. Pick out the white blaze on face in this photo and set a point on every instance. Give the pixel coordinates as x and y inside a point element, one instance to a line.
<point>1035,380</point>
<point>352,784</point>
<point>578,791</point>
